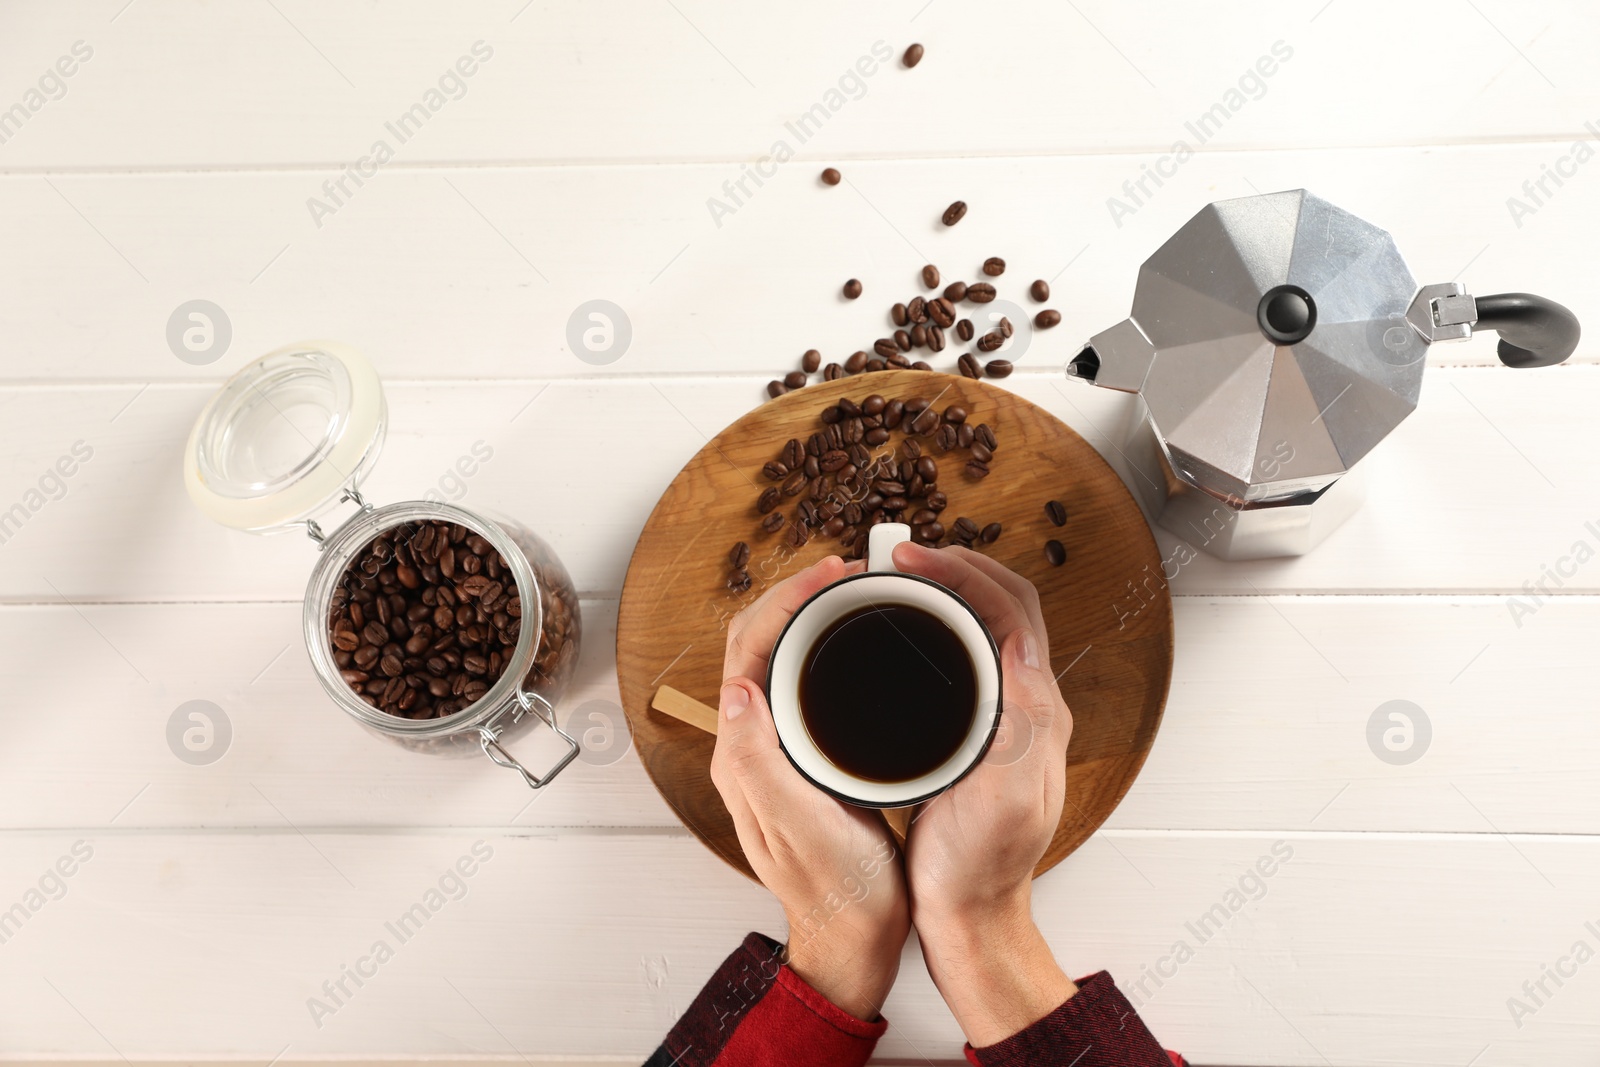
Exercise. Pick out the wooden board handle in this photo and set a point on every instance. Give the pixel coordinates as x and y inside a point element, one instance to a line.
<point>685,708</point>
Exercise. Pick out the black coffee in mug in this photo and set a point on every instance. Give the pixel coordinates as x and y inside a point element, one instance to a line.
<point>888,693</point>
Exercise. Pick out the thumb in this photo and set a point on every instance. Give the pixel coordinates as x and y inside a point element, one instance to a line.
<point>1035,712</point>
<point>746,736</point>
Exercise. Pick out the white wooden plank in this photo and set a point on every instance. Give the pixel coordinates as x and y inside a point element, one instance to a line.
<point>1266,727</point>
<point>592,945</point>
<point>191,84</point>
<point>1479,491</point>
<point>476,273</point>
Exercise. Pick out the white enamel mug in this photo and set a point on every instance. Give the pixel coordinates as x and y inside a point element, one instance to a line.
<point>880,584</point>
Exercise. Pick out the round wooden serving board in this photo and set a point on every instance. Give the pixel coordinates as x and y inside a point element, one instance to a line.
<point>1108,609</point>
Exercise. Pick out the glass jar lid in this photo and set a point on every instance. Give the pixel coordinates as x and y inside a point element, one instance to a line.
<point>283,438</point>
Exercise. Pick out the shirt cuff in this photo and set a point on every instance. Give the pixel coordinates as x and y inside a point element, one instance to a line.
<point>1096,1027</point>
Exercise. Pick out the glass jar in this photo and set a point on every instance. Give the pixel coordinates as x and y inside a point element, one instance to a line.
<point>288,439</point>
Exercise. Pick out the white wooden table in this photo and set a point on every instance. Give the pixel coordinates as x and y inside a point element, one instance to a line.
<point>208,903</point>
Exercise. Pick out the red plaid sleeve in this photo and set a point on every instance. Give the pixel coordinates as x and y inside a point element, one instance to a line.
<point>1095,1028</point>
<point>756,1012</point>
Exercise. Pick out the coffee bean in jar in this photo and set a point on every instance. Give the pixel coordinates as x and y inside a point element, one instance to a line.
<point>425,619</point>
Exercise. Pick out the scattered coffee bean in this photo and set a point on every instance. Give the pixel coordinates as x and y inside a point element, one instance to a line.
<point>981,452</point>
<point>898,316</point>
<point>945,437</point>
<point>773,522</point>
<point>793,453</point>
<point>795,379</point>
<point>967,364</point>
<point>799,534</point>
<point>977,469</point>
<point>917,310</point>
<point>874,365</point>
<point>942,312</point>
<point>830,176</point>
<point>965,330</point>
<point>1055,552</point>
<point>955,212</point>
<point>885,347</point>
<point>832,372</point>
<point>913,55</point>
<point>739,580</point>
<point>936,337</point>
<point>998,368</point>
<point>902,340</point>
<point>739,554</point>
<point>994,266</point>
<point>1040,290</point>
<point>776,388</point>
<point>811,361</point>
<point>873,405</point>
<point>980,292</point>
<point>955,292</point>
<point>955,414</point>
<point>856,363</point>
<point>986,435</point>
<point>852,288</point>
<point>1056,512</point>
<point>775,471</point>
<point>987,343</point>
<point>965,435</point>
<point>1047,318</point>
<point>991,533</point>
<point>930,277</point>
<point>768,499</point>
<point>1005,326</point>
<point>919,335</point>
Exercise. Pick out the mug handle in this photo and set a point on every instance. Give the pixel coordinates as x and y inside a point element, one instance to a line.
<point>881,540</point>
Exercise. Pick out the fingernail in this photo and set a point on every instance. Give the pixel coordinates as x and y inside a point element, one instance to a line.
<point>734,700</point>
<point>1029,647</point>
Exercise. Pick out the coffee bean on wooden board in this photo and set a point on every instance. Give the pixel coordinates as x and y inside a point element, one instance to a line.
<point>852,288</point>
<point>1055,552</point>
<point>739,554</point>
<point>1056,512</point>
<point>930,277</point>
<point>830,176</point>
<point>739,580</point>
<point>967,364</point>
<point>991,533</point>
<point>912,56</point>
<point>773,522</point>
<point>1040,290</point>
<point>994,266</point>
<point>986,435</point>
<point>1047,318</point>
<point>811,361</point>
<point>998,368</point>
<point>980,292</point>
<point>977,468</point>
<point>955,212</point>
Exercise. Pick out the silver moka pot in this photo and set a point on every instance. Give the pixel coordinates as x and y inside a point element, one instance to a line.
<point>1274,340</point>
